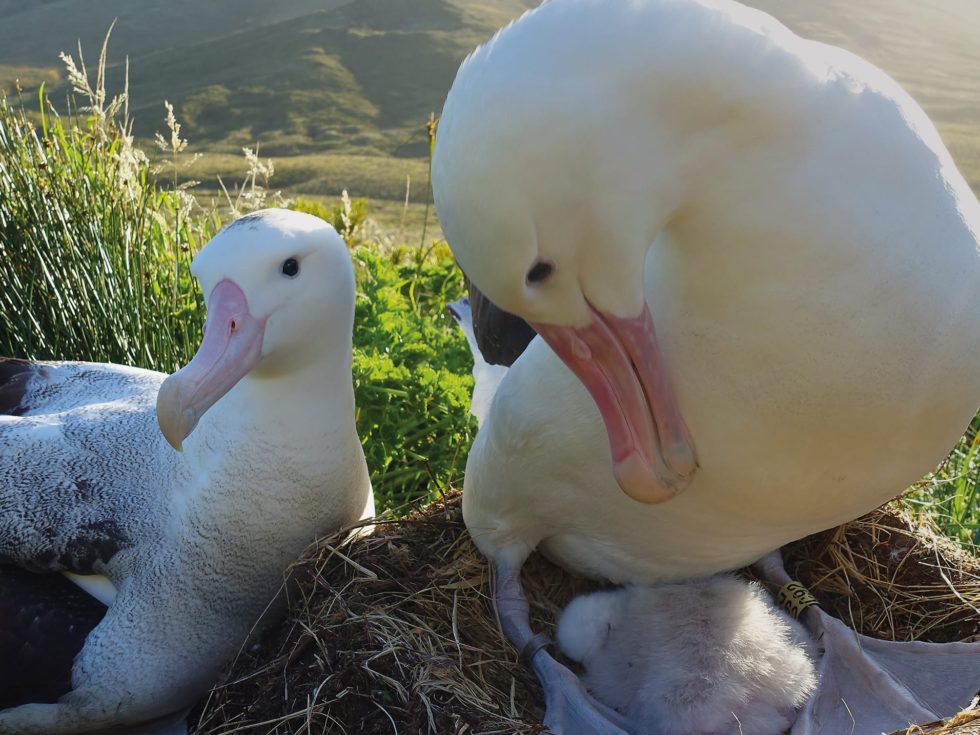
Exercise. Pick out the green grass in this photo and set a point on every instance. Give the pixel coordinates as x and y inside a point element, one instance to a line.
<point>951,495</point>
<point>65,192</point>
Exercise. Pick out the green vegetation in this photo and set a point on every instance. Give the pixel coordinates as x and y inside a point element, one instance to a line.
<point>951,495</point>
<point>411,371</point>
<point>94,262</point>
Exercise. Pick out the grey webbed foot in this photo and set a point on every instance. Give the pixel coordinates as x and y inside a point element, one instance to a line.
<point>571,710</point>
<point>876,686</point>
<point>868,686</point>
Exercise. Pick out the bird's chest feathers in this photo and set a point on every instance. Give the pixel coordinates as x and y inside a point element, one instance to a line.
<point>232,481</point>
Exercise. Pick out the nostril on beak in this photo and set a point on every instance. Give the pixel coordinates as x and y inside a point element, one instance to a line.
<point>234,326</point>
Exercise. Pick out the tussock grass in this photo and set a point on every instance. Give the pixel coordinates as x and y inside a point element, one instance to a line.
<point>95,261</point>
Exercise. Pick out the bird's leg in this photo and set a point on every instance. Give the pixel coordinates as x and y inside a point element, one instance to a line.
<point>869,686</point>
<point>569,708</point>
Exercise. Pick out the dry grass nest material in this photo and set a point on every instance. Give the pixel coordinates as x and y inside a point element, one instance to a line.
<point>965,723</point>
<point>395,631</point>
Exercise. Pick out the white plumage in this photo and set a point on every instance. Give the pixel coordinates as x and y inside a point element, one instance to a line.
<point>710,655</point>
<point>757,255</point>
<point>196,543</point>
<point>486,377</point>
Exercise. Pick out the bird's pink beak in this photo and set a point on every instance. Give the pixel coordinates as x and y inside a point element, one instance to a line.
<point>230,348</point>
<point>621,365</point>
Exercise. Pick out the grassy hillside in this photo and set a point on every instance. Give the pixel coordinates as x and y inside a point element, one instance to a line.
<point>300,75</point>
<point>338,91</point>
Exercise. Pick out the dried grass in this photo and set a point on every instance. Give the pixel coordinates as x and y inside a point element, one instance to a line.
<point>892,576</point>
<point>965,723</point>
<point>394,631</point>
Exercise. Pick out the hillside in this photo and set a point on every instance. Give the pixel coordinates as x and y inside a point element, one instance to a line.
<point>300,76</point>
<point>338,91</point>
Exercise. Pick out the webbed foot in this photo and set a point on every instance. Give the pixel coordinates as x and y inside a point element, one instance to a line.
<point>868,686</point>
<point>570,709</point>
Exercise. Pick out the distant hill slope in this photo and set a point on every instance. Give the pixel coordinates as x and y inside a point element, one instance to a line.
<point>359,77</point>
<point>299,75</point>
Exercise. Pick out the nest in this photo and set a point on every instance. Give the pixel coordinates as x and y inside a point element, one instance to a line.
<point>892,576</point>
<point>394,631</point>
<point>965,723</point>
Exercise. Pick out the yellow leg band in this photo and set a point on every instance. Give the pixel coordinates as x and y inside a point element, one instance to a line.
<point>794,598</point>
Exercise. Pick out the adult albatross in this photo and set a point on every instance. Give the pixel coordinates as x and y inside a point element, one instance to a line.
<point>757,256</point>
<point>194,544</point>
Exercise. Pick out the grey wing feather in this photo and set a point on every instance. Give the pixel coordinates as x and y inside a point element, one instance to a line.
<point>77,448</point>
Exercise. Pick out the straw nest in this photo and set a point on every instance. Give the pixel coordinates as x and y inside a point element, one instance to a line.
<point>966,723</point>
<point>394,631</point>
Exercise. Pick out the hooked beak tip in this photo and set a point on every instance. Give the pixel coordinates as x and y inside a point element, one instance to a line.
<point>169,413</point>
<point>173,441</point>
<point>639,481</point>
<point>682,458</point>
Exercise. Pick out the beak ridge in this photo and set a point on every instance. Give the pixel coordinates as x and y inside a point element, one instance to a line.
<point>230,348</point>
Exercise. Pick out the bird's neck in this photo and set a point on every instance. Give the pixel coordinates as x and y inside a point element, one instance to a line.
<point>308,403</point>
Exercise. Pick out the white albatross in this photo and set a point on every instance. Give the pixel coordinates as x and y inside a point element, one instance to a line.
<point>195,543</point>
<point>757,256</point>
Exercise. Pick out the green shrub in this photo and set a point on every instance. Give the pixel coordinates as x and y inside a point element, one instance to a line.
<point>411,373</point>
<point>347,216</point>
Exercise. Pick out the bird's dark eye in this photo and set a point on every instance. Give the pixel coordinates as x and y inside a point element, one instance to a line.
<point>290,267</point>
<point>540,272</point>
